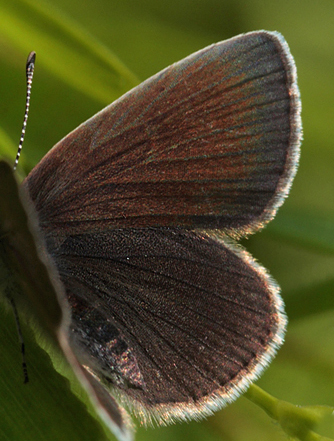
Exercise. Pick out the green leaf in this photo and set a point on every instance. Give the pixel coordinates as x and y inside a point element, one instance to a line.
<point>45,408</point>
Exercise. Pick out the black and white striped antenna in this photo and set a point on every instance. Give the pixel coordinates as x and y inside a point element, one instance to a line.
<point>30,66</point>
<point>21,340</point>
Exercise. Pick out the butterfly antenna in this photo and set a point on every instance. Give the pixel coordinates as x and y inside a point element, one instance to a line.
<point>18,327</point>
<point>30,66</point>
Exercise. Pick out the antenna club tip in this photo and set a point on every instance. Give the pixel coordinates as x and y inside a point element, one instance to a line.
<point>31,58</point>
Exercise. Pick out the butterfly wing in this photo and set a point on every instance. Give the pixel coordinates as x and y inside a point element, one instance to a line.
<point>174,321</point>
<point>211,141</point>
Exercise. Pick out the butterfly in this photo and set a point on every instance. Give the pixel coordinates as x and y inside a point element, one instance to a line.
<point>138,210</point>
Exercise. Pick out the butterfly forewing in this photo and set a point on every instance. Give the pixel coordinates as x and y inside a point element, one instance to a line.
<point>210,142</point>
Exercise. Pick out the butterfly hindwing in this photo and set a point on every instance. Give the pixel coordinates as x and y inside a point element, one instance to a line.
<point>190,322</point>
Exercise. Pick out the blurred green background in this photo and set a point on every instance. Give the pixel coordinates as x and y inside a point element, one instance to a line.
<point>89,53</point>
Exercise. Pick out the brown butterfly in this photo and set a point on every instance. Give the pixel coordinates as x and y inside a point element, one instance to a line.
<point>137,211</point>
